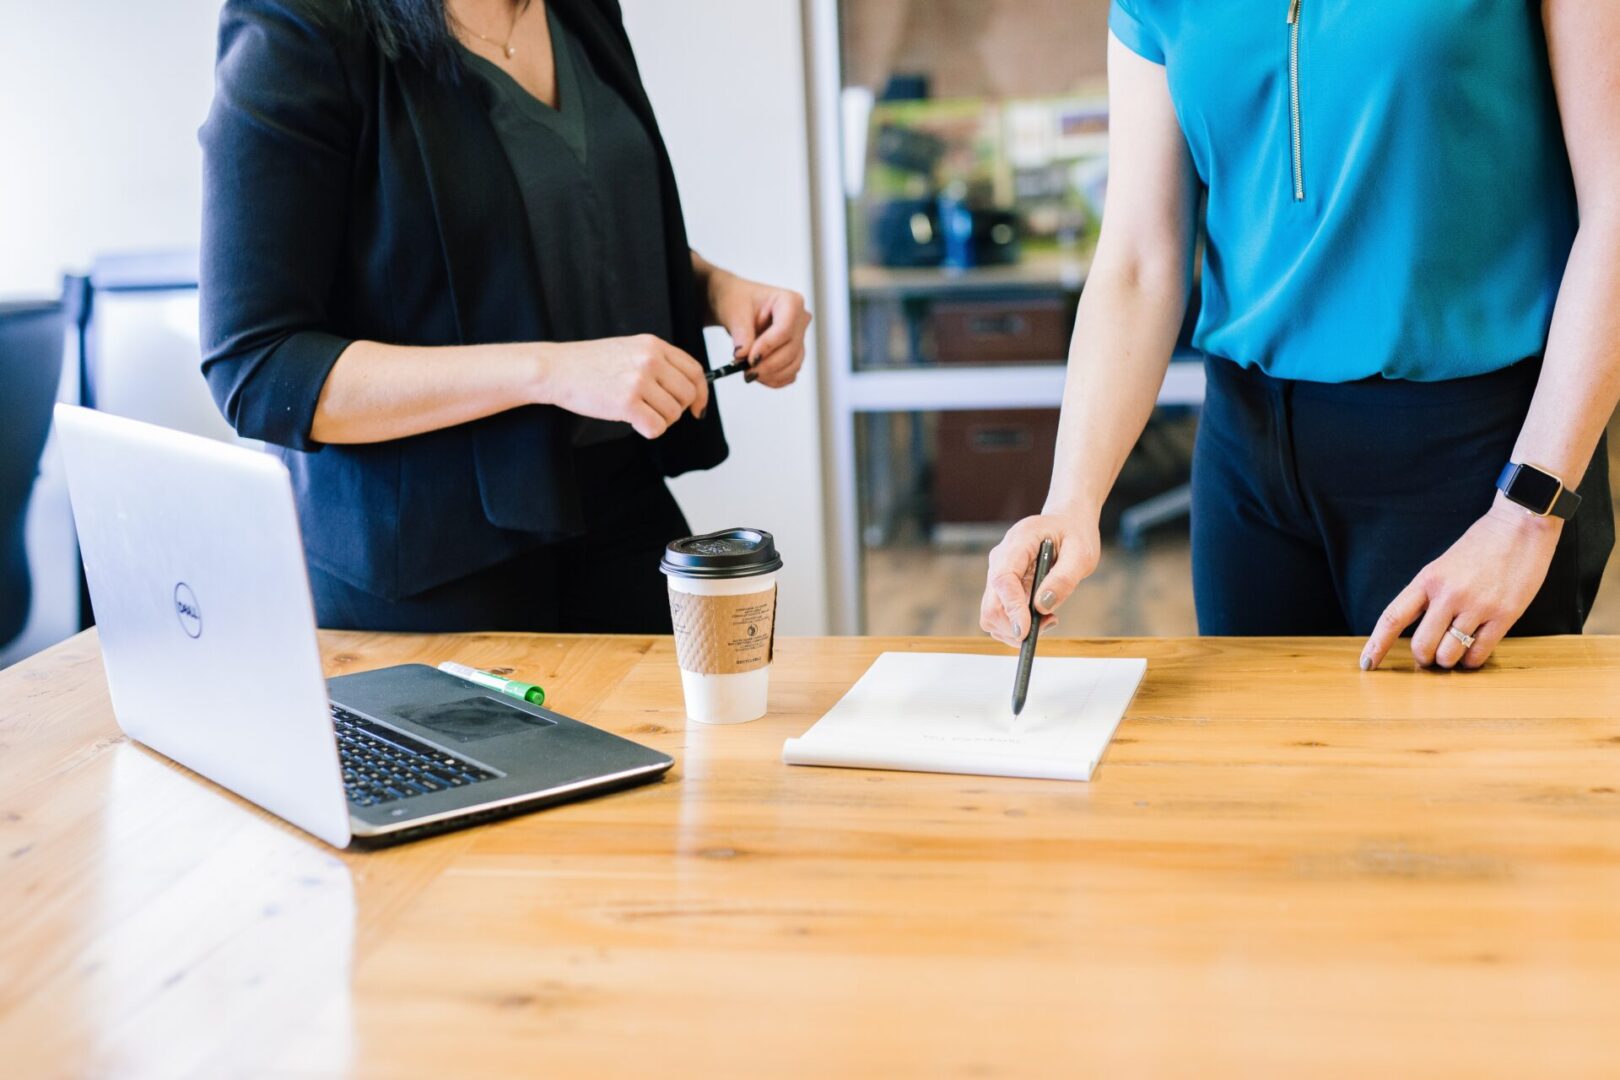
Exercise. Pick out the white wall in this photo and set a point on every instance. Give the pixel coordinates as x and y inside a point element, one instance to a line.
<point>100,101</point>
<point>727,80</point>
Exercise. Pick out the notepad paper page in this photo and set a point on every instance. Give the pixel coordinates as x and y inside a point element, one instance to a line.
<point>945,712</point>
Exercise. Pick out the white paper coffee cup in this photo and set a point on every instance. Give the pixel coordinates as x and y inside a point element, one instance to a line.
<point>722,600</point>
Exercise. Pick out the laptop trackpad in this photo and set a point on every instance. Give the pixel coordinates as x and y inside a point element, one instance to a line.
<point>471,719</point>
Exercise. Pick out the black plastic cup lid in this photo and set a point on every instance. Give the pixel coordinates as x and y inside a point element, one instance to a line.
<point>729,553</point>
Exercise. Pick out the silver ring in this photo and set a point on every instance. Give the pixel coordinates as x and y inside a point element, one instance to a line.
<point>1467,640</point>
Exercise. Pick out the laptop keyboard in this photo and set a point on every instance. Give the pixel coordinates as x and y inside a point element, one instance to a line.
<point>381,764</point>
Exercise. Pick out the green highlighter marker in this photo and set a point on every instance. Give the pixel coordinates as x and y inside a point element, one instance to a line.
<point>534,695</point>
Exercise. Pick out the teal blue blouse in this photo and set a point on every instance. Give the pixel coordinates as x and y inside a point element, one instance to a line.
<point>1389,190</point>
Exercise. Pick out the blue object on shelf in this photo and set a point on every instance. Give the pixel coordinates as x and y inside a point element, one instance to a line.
<point>977,237</point>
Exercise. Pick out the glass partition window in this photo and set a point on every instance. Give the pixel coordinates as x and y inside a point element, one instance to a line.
<point>938,490</point>
<point>964,173</point>
<point>975,169</point>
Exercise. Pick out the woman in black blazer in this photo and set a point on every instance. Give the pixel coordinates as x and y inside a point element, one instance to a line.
<point>445,275</point>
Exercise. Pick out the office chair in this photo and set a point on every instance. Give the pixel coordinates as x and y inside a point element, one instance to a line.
<point>32,342</point>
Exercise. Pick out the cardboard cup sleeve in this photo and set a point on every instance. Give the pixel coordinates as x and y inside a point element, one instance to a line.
<point>724,635</point>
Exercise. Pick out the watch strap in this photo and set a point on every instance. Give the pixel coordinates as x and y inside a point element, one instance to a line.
<point>1566,504</point>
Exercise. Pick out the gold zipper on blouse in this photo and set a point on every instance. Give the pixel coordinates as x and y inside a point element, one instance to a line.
<point>1293,100</point>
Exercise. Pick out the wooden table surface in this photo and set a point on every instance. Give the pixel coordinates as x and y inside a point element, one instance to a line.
<point>1283,866</point>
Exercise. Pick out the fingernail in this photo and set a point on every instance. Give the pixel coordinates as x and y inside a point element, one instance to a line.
<point>1366,663</point>
<point>1048,598</point>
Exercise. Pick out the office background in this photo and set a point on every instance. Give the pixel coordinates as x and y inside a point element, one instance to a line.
<point>923,422</point>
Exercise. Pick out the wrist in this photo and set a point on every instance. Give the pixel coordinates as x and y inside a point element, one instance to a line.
<point>714,284</point>
<point>1077,509</point>
<point>1523,521</point>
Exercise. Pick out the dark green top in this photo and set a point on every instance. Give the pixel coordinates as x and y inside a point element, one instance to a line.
<point>589,177</point>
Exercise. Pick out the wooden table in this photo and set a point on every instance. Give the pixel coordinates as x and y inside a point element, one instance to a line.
<point>1283,866</point>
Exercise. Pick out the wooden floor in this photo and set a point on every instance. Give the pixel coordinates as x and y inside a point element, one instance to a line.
<point>917,589</point>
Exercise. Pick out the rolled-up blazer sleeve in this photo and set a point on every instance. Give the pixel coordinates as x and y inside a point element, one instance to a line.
<point>277,151</point>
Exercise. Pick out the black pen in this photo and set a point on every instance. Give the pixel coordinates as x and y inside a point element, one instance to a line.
<point>1026,655</point>
<point>730,369</point>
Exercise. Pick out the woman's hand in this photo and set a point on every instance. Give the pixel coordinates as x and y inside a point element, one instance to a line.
<point>767,325</point>
<point>1481,585</point>
<point>642,380</point>
<point>1004,612</point>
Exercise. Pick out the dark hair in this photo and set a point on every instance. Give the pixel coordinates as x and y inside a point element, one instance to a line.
<point>419,29</point>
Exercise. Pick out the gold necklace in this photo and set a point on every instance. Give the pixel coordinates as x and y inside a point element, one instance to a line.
<point>508,48</point>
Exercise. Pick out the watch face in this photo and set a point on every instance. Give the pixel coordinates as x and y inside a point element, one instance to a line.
<point>1534,489</point>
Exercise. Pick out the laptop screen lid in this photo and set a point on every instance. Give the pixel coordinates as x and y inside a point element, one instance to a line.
<point>196,571</point>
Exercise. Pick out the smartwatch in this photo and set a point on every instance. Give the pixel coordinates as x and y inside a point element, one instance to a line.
<point>1537,490</point>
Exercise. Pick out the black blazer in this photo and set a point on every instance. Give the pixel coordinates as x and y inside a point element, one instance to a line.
<point>348,196</point>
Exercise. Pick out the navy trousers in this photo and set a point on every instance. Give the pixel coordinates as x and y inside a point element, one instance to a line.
<point>1314,504</point>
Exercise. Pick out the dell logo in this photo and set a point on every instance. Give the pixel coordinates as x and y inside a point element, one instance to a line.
<point>187,611</point>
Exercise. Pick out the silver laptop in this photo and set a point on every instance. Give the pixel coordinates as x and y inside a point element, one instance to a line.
<point>202,603</point>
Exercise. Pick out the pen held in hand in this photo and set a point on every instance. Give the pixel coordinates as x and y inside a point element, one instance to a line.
<point>730,369</point>
<point>1026,654</point>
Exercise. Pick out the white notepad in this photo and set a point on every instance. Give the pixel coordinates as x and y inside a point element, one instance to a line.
<point>946,712</point>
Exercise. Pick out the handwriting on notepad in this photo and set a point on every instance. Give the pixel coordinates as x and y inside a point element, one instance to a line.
<point>929,736</point>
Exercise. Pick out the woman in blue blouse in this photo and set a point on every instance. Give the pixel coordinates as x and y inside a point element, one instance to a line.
<point>1410,309</point>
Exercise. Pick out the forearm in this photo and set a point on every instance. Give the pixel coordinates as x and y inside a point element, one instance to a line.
<point>1124,334</point>
<point>378,392</point>
<point>708,275</point>
<point>1580,374</point>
